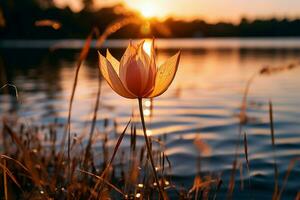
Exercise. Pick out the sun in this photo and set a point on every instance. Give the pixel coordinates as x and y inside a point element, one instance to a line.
<point>147,9</point>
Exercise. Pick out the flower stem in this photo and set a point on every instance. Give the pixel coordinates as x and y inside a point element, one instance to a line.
<point>148,147</point>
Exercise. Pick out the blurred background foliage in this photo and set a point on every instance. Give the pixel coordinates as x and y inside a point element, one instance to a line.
<point>19,19</point>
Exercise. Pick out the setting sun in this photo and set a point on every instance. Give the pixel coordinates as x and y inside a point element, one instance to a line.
<point>147,9</point>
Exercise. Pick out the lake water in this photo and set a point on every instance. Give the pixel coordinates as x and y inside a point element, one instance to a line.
<point>203,101</point>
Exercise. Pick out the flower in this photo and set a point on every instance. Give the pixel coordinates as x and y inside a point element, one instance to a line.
<point>136,75</point>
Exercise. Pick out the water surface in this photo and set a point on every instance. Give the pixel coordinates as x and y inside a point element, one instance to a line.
<point>203,101</point>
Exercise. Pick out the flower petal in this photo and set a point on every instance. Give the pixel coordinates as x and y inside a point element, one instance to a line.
<point>129,53</point>
<point>113,61</point>
<point>165,75</point>
<point>151,72</point>
<point>134,77</point>
<point>153,55</point>
<point>112,78</point>
<point>144,61</point>
<point>134,69</point>
<point>141,44</point>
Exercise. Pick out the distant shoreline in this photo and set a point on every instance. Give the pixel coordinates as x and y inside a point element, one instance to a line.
<point>174,43</point>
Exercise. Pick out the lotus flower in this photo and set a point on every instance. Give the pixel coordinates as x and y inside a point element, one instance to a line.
<point>136,75</point>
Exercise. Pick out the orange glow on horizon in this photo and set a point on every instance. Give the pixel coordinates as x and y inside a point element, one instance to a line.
<point>211,11</point>
<point>147,9</point>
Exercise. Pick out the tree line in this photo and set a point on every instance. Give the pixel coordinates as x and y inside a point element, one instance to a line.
<point>18,20</point>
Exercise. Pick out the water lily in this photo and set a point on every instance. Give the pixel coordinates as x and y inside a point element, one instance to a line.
<point>136,77</point>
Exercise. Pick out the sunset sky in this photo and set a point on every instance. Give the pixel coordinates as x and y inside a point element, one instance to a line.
<point>210,10</point>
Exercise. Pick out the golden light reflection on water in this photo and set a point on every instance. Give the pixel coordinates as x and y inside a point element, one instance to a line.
<point>147,112</point>
<point>204,69</point>
<point>149,132</point>
<point>148,107</point>
<point>147,103</point>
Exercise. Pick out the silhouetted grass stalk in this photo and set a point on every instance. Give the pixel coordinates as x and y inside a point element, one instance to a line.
<point>13,86</point>
<point>104,180</point>
<point>275,194</point>
<point>234,165</point>
<point>89,145</point>
<point>7,172</point>
<point>267,70</point>
<point>246,157</point>
<point>243,111</point>
<point>112,28</point>
<point>286,177</point>
<point>83,55</point>
<point>5,180</point>
<point>105,171</point>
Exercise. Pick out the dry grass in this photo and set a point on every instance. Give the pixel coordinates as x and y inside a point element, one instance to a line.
<point>244,119</point>
<point>275,194</point>
<point>32,169</point>
<point>264,71</point>
<point>13,86</point>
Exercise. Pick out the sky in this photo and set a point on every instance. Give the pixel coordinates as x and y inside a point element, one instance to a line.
<point>209,10</point>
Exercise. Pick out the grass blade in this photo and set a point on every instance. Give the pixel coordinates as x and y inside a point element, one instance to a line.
<point>7,172</point>
<point>104,173</point>
<point>246,157</point>
<point>4,180</point>
<point>89,145</point>
<point>14,87</point>
<point>288,173</point>
<point>16,161</point>
<point>103,180</point>
<point>275,193</point>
